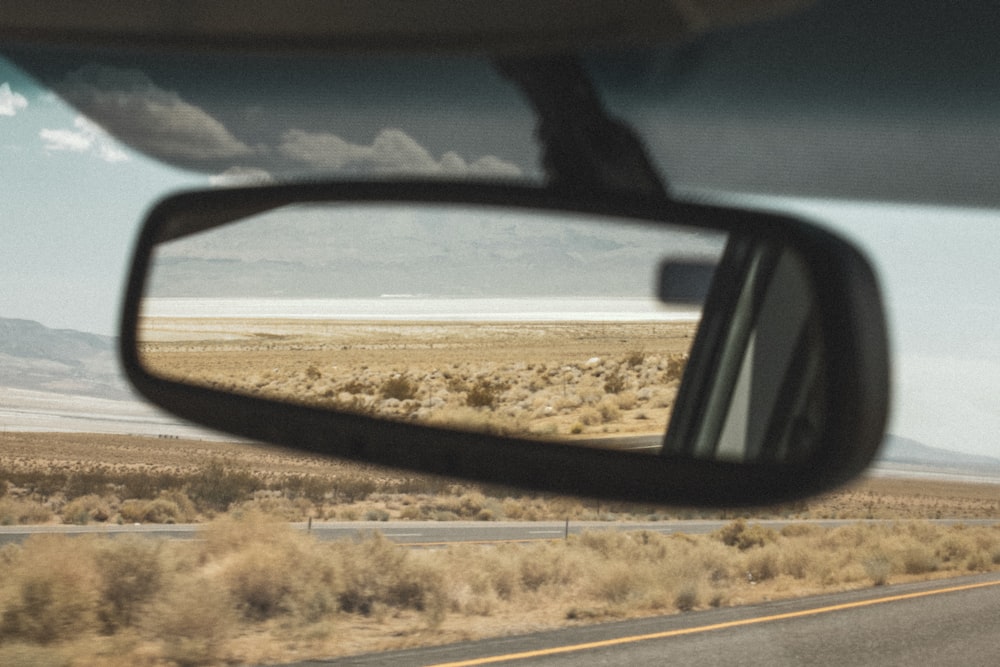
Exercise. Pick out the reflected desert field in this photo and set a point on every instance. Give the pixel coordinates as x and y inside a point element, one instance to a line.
<point>537,379</point>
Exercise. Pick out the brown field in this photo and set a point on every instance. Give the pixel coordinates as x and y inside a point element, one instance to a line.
<point>553,379</point>
<point>232,598</point>
<point>43,474</point>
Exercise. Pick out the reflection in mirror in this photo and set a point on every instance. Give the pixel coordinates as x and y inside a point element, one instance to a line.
<point>526,323</point>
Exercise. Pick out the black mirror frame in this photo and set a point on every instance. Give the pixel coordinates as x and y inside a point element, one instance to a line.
<point>851,315</point>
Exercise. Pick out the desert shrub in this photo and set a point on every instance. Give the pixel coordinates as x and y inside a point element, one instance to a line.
<point>88,482</point>
<point>627,400</point>
<point>158,510</point>
<point>411,512</point>
<point>376,515</point>
<point>217,486</point>
<point>763,564</point>
<point>262,585</point>
<point>877,567</point>
<point>456,384</point>
<point>399,387</point>
<point>305,486</point>
<point>614,383</point>
<point>277,507</point>
<point>356,387</point>
<point>687,597</point>
<point>192,620</point>
<point>353,488</point>
<point>738,534</point>
<point>147,484</point>
<point>615,583</point>
<point>979,561</point>
<point>675,367</point>
<point>955,548</point>
<point>918,559</point>
<point>14,512</point>
<point>485,393</point>
<point>131,573</point>
<point>84,509</point>
<point>609,410</point>
<point>53,591</point>
<point>800,530</point>
<point>635,358</point>
<point>378,574</point>
<point>589,416</point>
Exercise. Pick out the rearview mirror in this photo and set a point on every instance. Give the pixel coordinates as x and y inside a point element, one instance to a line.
<point>624,348</point>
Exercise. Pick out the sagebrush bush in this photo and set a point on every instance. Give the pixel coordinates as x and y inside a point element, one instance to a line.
<point>635,358</point>
<point>485,393</point>
<point>84,509</point>
<point>131,574</point>
<point>399,387</point>
<point>615,383</point>
<point>51,590</point>
<point>159,510</point>
<point>738,534</point>
<point>193,620</point>
<point>14,512</point>
<point>218,485</point>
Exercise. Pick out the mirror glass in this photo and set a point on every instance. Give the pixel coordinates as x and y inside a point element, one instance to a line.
<point>527,323</point>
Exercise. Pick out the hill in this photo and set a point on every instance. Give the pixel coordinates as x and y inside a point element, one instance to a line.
<point>33,356</point>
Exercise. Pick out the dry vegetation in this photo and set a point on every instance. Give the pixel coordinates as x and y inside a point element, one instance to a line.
<point>254,590</point>
<point>533,379</point>
<point>96,478</point>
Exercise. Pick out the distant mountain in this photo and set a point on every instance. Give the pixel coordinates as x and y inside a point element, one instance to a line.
<point>910,452</point>
<point>33,356</point>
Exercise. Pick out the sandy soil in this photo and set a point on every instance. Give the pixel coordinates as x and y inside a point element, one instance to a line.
<point>563,379</point>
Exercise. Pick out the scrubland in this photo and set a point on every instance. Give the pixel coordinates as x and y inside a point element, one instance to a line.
<point>79,478</point>
<point>552,379</point>
<point>254,590</point>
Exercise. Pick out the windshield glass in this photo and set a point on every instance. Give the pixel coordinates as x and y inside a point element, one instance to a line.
<point>88,144</point>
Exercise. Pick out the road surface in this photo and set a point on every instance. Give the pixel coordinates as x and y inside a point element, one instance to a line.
<point>947,622</point>
<point>435,533</point>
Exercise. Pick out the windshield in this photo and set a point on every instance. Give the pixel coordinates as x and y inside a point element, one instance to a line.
<point>88,144</point>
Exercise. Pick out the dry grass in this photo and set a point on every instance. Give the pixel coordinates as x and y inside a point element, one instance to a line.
<point>234,596</point>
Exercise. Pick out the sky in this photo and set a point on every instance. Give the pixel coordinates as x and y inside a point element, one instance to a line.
<point>72,198</point>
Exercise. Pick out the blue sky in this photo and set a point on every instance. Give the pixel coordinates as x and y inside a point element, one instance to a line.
<point>71,201</point>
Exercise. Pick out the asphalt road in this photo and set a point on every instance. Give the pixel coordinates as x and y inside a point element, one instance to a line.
<point>947,622</point>
<point>434,533</point>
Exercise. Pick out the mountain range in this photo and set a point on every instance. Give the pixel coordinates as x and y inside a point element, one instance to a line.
<point>64,361</point>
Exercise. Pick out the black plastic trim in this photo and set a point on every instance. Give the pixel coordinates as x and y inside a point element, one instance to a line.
<point>850,313</point>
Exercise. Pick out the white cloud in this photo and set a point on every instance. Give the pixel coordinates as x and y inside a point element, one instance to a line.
<point>148,117</point>
<point>11,102</point>
<point>87,137</point>
<point>392,151</point>
<point>237,176</point>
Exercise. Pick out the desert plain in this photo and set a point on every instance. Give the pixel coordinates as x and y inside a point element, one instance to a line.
<point>536,379</point>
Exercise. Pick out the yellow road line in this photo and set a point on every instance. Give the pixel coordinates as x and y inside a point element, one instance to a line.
<point>706,628</point>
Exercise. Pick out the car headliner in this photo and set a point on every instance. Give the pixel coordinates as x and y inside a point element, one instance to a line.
<point>855,100</point>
